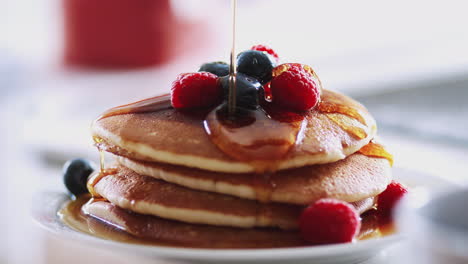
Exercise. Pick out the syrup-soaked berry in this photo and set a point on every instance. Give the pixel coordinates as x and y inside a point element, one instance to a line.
<point>247,90</point>
<point>267,92</point>
<point>193,90</point>
<point>287,66</point>
<point>257,64</point>
<point>388,199</point>
<point>266,49</point>
<point>75,175</point>
<point>218,68</point>
<point>294,86</point>
<point>329,221</point>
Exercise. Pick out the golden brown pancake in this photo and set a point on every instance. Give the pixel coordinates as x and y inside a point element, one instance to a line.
<point>147,195</point>
<point>355,178</point>
<point>179,138</point>
<point>174,233</point>
<point>191,235</point>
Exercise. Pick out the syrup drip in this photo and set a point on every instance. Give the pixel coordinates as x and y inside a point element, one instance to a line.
<point>376,150</point>
<point>331,103</point>
<point>98,142</point>
<point>264,187</point>
<point>95,177</point>
<point>267,90</point>
<point>144,106</point>
<point>354,131</point>
<point>252,136</point>
<point>335,106</point>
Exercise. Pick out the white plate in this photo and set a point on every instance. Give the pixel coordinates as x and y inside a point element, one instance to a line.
<point>48,203</point>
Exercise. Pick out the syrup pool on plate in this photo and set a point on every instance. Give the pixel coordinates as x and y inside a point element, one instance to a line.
<point>72,215</point>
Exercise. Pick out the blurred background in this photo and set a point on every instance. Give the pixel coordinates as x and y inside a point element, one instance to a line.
<point>62,62</point>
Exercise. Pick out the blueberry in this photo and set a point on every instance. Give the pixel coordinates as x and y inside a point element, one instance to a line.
<point>218,68</point>
<point>247,89</point>
<point>75,175</point>
<point>257,64</point>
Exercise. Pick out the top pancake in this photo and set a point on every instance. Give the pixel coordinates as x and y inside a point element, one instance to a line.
<point>335,129</point>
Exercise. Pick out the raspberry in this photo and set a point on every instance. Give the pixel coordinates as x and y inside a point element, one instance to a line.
<point>329,221</point>
<point>388,199</point>
<point>267,50</point>
<point>295,86</point>
<point>191,90</point>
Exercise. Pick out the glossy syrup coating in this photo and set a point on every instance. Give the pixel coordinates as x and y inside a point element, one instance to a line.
<point>336,128</point>
<point>374,149</point>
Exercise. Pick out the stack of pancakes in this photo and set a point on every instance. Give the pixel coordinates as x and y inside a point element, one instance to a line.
<point>174,185</point>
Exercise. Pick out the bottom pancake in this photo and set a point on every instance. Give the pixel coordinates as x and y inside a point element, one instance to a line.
<point>155,230</point>
<point>147,195</point>
<point>190,235</point>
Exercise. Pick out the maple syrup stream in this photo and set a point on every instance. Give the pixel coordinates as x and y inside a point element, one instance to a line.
<point>232,65</point>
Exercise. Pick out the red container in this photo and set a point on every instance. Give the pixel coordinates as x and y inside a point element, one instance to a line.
<point>118,33</point>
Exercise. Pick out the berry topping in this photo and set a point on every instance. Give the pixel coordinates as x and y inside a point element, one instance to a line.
<point>287,66</point>
<point>267,50</point>
<point>198,89</point>
<point>294,86</point>
<point>247,90</point>
<point>218,68</point>
<point>75,175</point>
<point>329,221</point>
<point>257,64</point>
<point>388,199</point>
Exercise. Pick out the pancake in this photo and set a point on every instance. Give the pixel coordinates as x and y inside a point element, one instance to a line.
<point>335,129</point>
<point>355,178</point>
<point>147,195</point>
<point>174,233</point>
<point>189,235</point>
